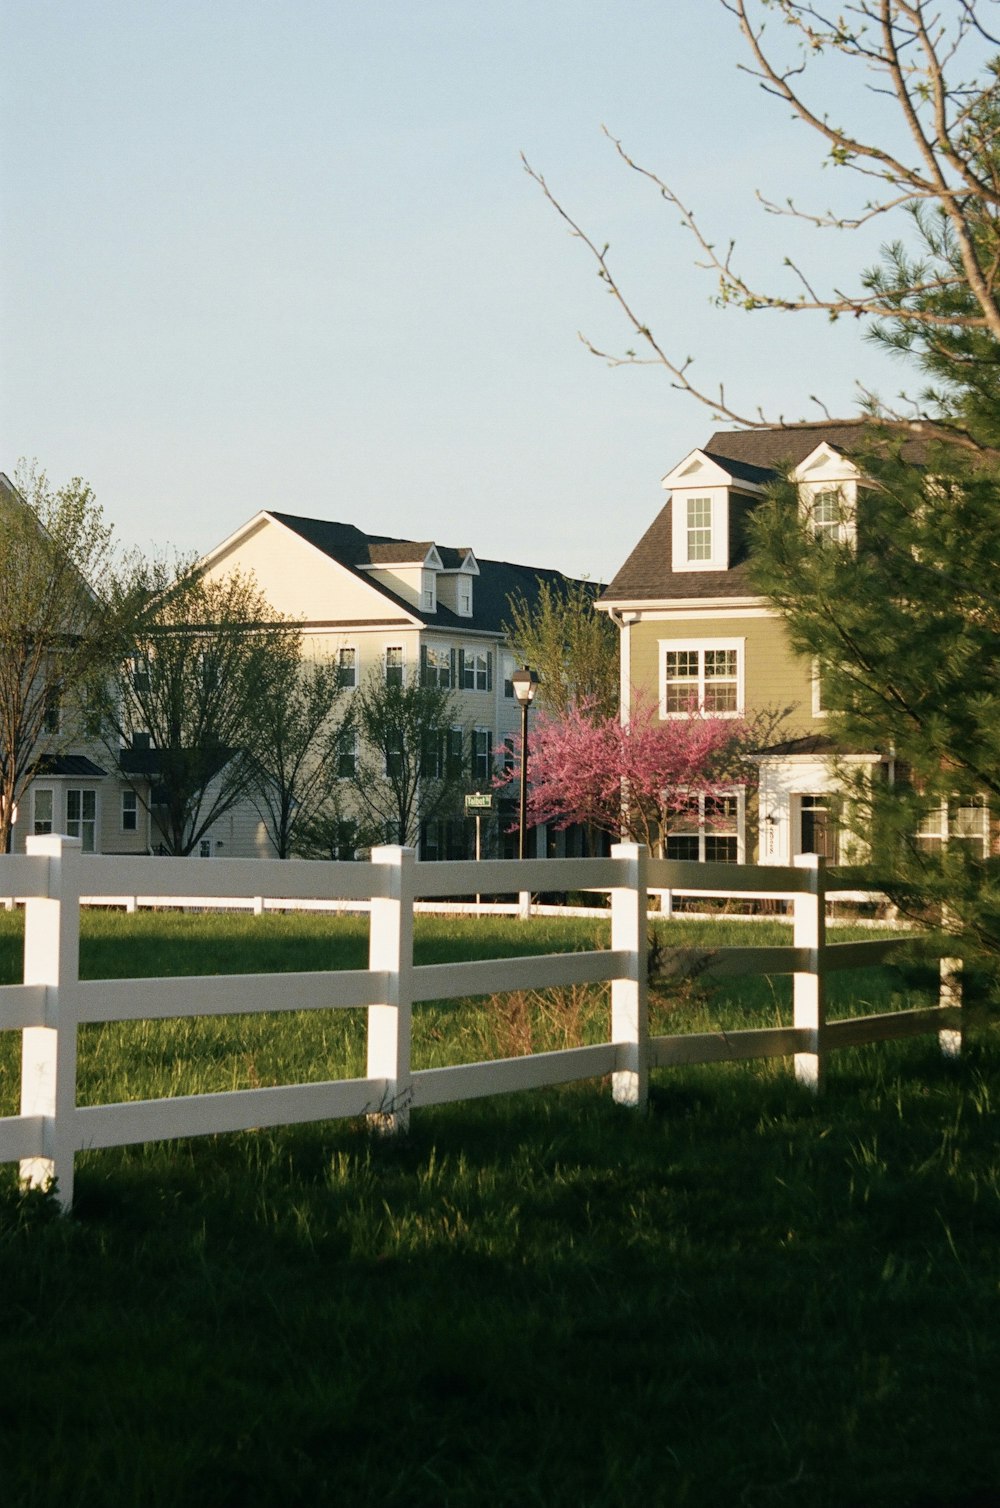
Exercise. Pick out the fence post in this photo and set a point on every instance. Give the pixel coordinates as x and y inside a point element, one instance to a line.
<point>48,1053</point>
<point>809,932</point>
<point>950,993</point>
<point>390,950</point>
<point>630,995</point>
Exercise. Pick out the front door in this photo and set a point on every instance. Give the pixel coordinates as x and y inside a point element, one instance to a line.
<point>818,826</point>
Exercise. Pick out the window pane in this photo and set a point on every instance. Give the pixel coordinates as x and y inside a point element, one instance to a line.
<point>43,811</point>
<point>699,528</point>
<point>130,812</point>
<point>347,667</point>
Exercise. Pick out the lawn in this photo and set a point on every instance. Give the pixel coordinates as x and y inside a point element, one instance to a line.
<point>745,1296</point>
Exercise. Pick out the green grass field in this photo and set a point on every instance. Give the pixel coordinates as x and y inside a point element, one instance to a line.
<point>745,1296</point>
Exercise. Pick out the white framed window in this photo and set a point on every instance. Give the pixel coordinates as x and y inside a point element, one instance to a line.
<point>347,754</point>
<point>509,669</point>
<point>465,599</point>
<point>81,817</point>
<point>205,848</point>
<point>699,528</point>
<point>42,810</point>
<point>394,756</point>
<point>701,675</point>
<point>394,665</point>
<point>130,812</point>
<point>819,707</point>
<point>819,824</point>
<point>711,832</point>
<point>476,669</point>
<point>826,514</point>
<point>347,666</point>
<point>960,820</point>
<point>436,666</point>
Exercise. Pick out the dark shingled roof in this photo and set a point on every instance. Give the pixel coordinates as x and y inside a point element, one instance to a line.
<point>749,455</point>
<point>819,744</point>
<point>768,450</point>
<point>648,574</point>
<point>497,579</point>
<point>75,765</point>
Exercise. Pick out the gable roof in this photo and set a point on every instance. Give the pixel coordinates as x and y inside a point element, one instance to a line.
<point>754,456</point>
<point>497,580</point>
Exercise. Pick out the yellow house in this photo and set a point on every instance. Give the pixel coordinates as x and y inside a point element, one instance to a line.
<point>692,630</point>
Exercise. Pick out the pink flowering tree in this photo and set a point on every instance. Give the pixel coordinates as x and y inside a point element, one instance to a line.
<point>633,780</point>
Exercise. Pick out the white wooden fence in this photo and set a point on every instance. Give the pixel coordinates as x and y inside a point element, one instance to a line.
<point>53,1001</point>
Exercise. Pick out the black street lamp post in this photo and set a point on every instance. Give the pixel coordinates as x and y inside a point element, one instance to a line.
<point>525,685</point>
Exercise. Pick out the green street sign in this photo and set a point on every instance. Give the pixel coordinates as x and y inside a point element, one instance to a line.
<point>479,801</point>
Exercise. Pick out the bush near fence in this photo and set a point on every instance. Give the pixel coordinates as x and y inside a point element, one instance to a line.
<point>54,878</point>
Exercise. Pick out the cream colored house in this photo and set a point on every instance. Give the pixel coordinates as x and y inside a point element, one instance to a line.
<point>693,630</point>
<point>398,608</point>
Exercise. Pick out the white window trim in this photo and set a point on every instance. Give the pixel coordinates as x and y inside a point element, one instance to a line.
<point>48,790</point>
<point>719,499</point>
<point>700,646</point>
<point>127,791</point>
<point>357,666</point>
<point>445,650</point>
<point>342,742</point>
<point>944,834</point>
<point>846,490</point>
<point>707,831</point>
<point>402,661</point>
<point>84,790</point>
<point>816,680</point>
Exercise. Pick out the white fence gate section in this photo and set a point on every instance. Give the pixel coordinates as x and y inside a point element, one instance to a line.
<point>52,1002</point>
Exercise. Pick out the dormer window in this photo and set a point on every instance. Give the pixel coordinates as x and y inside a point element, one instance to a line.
<point>699,528</point>
<point>826,515</point>
<point>465,599</point>
<point>828,489</point>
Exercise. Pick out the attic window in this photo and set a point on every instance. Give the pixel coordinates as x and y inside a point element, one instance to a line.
<point>827,515</point>
<point>699,528</point>
<point>465,599</point>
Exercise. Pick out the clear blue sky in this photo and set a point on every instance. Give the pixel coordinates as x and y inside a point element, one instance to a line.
<point>284,255</point>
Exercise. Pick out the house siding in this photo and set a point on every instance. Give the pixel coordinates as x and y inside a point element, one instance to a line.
<point>774,676</point>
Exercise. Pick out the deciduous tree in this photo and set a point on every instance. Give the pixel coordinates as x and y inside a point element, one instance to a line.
<point>410,761</point>
<point>196,677</point>
<point>634,779</point>
<point>573,648</point>
<point>299,732</point>
<point>56,635</point>
<point>935,165</point>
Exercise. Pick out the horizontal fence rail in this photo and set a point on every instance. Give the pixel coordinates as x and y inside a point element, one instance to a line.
<point>54,879</point>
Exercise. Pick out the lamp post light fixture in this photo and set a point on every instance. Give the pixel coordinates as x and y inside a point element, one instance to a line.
<point>525,684</point>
